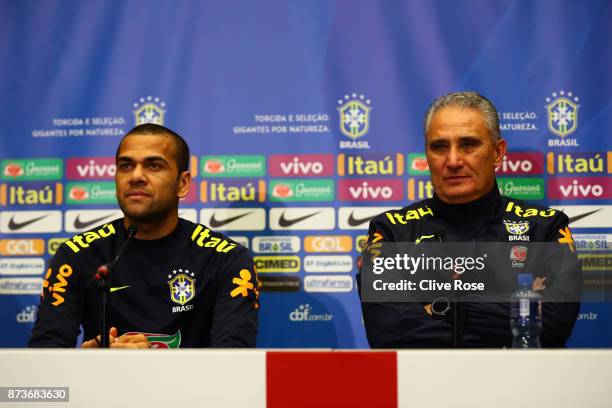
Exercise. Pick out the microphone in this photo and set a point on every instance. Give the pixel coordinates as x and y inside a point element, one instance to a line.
<point>103,271</point>
<point>102,278</point>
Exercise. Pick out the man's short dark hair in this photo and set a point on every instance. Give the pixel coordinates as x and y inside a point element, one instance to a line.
<point>182,149</point>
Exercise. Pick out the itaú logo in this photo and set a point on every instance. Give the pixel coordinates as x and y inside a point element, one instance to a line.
<point>303,314</point>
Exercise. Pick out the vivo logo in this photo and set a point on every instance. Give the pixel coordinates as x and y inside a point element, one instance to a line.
<point>90,168</point>
<point>578,188</point>
<point>370,190</point>
<point>301,165</point>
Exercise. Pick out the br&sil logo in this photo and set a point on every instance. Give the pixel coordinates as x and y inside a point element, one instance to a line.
<point>149,110</point>
<point>276,244</point>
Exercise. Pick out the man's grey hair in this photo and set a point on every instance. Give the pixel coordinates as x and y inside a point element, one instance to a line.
<point>467,100</point>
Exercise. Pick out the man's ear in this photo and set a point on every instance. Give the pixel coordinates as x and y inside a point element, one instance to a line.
<point>184,184</point>
<point>500,152</point>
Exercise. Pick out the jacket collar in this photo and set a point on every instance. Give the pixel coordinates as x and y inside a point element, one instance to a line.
<point>483,207</point>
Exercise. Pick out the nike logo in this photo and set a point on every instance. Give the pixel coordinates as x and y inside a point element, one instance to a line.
<point>14,226</point>
<point>284,222</point>
<point>118,288</point>
<point>581,216</point>
<point>216,223</point>
<point>78,224</point>
<point>354,222</point>
<point>422,237</point>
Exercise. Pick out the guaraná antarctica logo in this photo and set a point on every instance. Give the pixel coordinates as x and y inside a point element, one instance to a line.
<point>562,113</point>
<point>149,110</point>
<point>354,111</point>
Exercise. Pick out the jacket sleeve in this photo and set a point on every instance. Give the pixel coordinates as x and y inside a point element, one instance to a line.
<point>395,324</point>
<point>60,311</point>
<point>237,304</point>
<point>564,287</point>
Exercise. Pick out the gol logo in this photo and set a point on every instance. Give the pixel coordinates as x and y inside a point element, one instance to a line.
<point>22,247</point>
<point>328,243</point>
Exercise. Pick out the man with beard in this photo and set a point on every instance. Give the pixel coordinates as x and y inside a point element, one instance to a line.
<point>177,284</point>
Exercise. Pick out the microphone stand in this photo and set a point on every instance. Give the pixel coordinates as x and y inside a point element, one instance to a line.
<point>103,283</point>
<point>455,332</point>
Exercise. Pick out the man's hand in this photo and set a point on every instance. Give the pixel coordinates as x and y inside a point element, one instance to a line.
<point>131,341</point>
<point>124,341</point>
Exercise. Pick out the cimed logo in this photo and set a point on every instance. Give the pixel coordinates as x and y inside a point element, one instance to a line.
<point>562,111</point>
<point>149,110</point>
<point>354,113</point>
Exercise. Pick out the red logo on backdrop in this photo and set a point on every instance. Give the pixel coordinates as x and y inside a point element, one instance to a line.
<point>78,194</point>
<point>213,166</point>
<point>13,170</point>
<point>518,253</point>
<point>301,165</point>
<point>90,168</point>
<point>578,188</point>
<point>522,163</point>
<point>370,190</point>
<point>419,164</point>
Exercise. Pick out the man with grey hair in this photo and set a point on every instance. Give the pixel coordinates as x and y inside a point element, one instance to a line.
<point>463,148</point>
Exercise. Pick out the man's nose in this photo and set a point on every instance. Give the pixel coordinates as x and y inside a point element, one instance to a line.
<point>454,159</point>
<point>138,175</point>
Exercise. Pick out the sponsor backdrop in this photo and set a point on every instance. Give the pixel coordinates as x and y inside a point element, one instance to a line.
<point>305,121</point>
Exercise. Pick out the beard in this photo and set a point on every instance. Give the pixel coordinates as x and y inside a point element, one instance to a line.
<point>149,215</point>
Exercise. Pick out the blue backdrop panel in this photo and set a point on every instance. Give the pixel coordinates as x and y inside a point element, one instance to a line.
<point>311,89</point>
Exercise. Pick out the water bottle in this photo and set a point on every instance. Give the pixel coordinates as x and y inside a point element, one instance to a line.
<point>525,314</point>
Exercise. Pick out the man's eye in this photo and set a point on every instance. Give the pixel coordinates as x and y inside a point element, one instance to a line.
<point>124,166</point>
<point>154,166</point>
<point>437,146</point>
